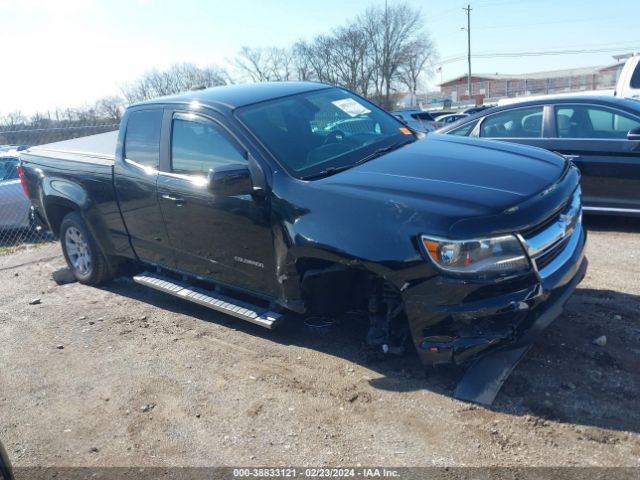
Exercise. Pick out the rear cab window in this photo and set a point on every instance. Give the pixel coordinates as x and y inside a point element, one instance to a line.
<point>142,138</point>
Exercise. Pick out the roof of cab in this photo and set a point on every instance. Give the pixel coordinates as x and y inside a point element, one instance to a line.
<point>235,96</point>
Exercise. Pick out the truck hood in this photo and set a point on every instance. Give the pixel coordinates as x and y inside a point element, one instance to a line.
<point>488,176</point>
<point>454,179</point>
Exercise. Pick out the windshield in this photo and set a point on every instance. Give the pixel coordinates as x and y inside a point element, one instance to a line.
<point>321,130</point>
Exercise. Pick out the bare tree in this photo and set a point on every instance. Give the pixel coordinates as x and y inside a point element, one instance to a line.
<point>251,62</point>
<point>320,56</point>
<point>110,108</point>
<point>417,62</point>
<point>391,33</point>
<point>13,120</point>
<point>340,58</point>
<point>379,52</point>
<point>352,58</point>
<point>301,62</point>
<point>178,78</point>
<point>265,64</point>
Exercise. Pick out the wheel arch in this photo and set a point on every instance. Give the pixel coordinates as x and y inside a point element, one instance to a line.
<point>56,208</point>
<point>328,277</point>
<point>61,197</point>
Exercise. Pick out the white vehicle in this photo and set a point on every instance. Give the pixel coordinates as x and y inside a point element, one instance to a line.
<point>451,118</point>
<point>627,86</point>
<point>417,119</point>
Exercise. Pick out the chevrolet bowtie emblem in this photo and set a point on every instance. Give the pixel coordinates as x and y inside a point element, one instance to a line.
<point>568,224</point>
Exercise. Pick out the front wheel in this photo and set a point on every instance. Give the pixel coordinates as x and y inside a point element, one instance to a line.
<point>85,260</point>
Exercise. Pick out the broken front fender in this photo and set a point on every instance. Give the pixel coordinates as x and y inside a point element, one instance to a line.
<point>456,320</point>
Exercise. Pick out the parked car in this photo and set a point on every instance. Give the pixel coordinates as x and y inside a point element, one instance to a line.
<point>14,203</point>
<point>232,200</point>
<point>417,120</point>
<point>17,148</point>
<point>476,109</point>
<point>451,118</point>
<point>439,113</point>
<point>601,135</point>
<point>628,84</point>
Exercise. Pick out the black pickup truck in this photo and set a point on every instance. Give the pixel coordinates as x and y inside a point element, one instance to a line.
<point>262,200</point>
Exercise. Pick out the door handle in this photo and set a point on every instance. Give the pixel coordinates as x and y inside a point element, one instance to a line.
<point>173,198</point>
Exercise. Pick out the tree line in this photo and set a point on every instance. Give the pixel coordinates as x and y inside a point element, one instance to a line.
<point>382,51</point>
<point>378,53</point>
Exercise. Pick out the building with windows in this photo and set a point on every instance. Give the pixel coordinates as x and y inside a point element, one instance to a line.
<point>487,88</point>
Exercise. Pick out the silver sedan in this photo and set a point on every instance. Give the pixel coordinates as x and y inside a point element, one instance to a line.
<point>14,204</point>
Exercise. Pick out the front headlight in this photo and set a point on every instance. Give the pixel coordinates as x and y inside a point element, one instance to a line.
<point>495,256</point>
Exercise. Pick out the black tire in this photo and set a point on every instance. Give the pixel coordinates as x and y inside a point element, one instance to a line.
<point>85,260</point>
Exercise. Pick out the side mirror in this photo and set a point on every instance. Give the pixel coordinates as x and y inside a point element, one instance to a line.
<point>634,134</point>
<point>230,180</point>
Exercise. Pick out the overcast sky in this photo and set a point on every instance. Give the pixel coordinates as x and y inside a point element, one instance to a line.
<point>70,52</point>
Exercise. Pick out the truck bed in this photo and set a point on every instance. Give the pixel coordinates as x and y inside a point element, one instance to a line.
<point>77,175</point>
<point>95,149</point>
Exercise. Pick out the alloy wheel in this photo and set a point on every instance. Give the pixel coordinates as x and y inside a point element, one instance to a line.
<point>77,250</point>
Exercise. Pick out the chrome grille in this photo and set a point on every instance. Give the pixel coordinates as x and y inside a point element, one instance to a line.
<point>547,244</point>
<point>548,256</point>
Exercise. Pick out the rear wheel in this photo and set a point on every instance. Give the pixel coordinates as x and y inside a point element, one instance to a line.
<point>85,260</point>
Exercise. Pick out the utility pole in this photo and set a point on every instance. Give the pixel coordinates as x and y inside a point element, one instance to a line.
<point>468,10</point>
<point>385,55</point>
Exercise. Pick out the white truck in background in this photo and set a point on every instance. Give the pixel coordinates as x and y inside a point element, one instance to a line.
<point>627,86</point>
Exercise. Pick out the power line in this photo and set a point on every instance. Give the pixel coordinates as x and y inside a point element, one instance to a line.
<point>538,53</point>
<point>441,14</point>
<point>554,22</point>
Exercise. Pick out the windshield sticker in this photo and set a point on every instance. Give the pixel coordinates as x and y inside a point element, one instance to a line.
<point>405,130</point>
<point>351,107</point>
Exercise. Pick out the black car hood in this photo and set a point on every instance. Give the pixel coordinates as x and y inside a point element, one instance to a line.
<point>456,179</point>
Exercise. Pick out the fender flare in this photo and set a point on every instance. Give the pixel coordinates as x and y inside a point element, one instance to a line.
<point>70,195</point>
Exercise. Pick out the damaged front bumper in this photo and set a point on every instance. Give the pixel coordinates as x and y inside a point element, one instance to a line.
<point>457,320</point>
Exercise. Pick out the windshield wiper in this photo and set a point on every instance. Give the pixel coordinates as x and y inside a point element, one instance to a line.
<point>376,153</point>
<point>382,150</point>
<point>327,171</point>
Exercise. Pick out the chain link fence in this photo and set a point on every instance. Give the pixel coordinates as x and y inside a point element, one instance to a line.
<point>18,231</point>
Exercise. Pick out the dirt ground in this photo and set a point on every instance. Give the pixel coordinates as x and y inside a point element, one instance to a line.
<point>123,376</point>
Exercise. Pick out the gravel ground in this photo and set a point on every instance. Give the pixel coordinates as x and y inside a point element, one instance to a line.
<point>123,376</point>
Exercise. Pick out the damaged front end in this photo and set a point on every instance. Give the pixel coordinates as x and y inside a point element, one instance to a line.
<point>456,319</point>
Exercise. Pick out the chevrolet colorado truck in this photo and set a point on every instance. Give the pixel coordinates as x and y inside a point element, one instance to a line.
<point>264,200</point>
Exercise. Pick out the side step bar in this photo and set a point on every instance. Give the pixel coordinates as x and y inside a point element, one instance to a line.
<point>213,300</point>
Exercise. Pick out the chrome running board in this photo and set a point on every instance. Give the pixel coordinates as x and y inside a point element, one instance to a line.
<point>213,300</point>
